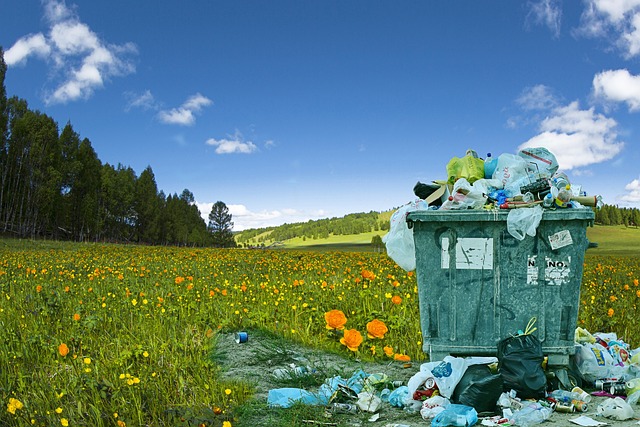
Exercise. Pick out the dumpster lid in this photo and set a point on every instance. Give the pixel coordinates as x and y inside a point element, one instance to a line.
<point>482,215</point>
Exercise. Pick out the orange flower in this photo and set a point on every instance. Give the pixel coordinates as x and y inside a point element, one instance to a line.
<point>388,350</point>
<point>402,357</point>
<point>613,298</point>
<point>610,312</point>
<point>335,319</point>
<point>352,339</point>
<point>396,300</point>
<point>63,349</point>
<point>76,317</point>
<point>38,289</point>
<point>376,329</point>
<point>366,274</point>
<point>635,282</point>
<point>638,294</point>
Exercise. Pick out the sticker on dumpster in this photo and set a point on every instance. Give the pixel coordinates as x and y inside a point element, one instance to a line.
<point>471,253</point>
<point>556,272</point>
<point>560,239</point>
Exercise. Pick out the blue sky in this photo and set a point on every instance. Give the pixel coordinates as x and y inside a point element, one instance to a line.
<point>296,110</point>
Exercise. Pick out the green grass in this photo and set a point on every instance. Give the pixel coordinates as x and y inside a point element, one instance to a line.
<point>615,240</point>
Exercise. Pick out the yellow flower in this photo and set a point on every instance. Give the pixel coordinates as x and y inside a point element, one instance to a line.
<point>58,410</point>
<point>227,391</point>
<point>13,405</point>
<point>122,423</point>
<point>145,354</point>
<point>352,339</point>
<point>376,329</point>
<point>87,360</point>
<point>335,319</point>
<point>64,422</point>
<point>226,424</point>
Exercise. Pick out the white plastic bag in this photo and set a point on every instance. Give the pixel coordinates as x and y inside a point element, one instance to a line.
<point>541,161</point>
<point>399,240</point>
<point>512,172</point>
<point>464,196</point>
<point>616,409</point>
<point>523,221</point>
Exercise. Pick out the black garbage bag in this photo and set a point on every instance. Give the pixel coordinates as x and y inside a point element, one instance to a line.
<point>425,190</point>
<point>520,363</point>
<point>478,388</point>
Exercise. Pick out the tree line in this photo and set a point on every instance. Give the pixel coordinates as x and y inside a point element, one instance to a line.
<point>355,223</point>
<point>614,215</point>
<point>53,185</point>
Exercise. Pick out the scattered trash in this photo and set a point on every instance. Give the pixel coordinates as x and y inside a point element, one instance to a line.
<point>615,408</point>
<point>585,421</point>
<point>531,414</point>
<point>456,415</point>
<point>368,402</point>
<point>241,337</point>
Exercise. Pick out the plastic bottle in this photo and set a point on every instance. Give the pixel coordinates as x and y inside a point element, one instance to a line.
<point>560,180</point>
<point>565,396</point>
<point>564,197</point>
<point>490,164</point>
<point>548,200</point>
<point>531,415</point>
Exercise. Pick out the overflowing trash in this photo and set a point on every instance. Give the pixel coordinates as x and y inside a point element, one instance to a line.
<point>491,391</point>
<point>524,184</point>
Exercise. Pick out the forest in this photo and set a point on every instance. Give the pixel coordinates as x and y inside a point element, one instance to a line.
<point>54,186</point>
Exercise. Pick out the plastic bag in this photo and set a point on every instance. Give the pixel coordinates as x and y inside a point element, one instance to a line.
<point>511,170</point>
<point>464,196</point>
<point>399,240</point>
<point>368,402</point>
<point>478,388</point>
<point>523,221</point>
<point>399,396</point>
<point>469,167</point>
<point>616,409</point>
<point>541,161</point>
<point>286,397</point>
<point>433,406</point>
<point>520,363</point>
<point>455,415</point>
<point>594,361</point>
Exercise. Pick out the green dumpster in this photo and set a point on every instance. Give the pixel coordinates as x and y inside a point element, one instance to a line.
<point>477,284</point>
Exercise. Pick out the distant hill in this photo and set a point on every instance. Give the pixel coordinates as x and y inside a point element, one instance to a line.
<point>356,228</point>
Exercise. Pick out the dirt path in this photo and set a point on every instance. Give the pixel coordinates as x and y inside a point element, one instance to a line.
<point>257,359</point>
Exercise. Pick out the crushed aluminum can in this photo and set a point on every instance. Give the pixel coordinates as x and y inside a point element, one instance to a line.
<point>565,408</point>
<point>580,405</point>
<point>344,408</point>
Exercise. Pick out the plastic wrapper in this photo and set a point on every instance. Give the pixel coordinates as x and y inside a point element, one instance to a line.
<point>399,240</point>
<point>524,221</point>
<point>455,415</point>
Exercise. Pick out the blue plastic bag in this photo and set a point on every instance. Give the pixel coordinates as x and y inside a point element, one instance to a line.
<point>456,415</point>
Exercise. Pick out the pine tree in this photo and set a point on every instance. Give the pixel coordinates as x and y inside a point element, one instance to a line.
<point>220,226</point>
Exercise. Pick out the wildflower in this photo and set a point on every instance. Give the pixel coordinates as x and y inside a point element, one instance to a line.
<point>58,410</point>
<point>366,274</point>
<point>335,319</point>
<point>76,317</point>
<point>376,329</point>
<point>121,423</point>
<point>638,294</point>
<point>396,300</point>
<point>13,405</point>
<point>226,424</point>
<point>388,350</point>
<point>63,349</point>
<point>64,422</point>
<point>635,282</point>
<point>217,410</point>
<point>38,289</point>
<point>87,360</point>
<point>401,357</point>
<point>372,349</point>
<point>227,391</point>
<point>351,339</point>
<point>613,298</point>
<point>145,354</point>
<point>610,312</point>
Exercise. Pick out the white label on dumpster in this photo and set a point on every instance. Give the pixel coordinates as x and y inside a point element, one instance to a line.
<point>471,253</point>
<point>560,239</point>
<point>556,272</point>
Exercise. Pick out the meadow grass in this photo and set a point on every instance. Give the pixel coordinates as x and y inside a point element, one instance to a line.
<point>120,335</point>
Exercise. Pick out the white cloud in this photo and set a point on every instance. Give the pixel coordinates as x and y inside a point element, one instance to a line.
<point>185,114</point>
<point>577,137</point>
<point>33,44</point>
<point>546,12</point>
<point>617,19</point>
<point>633,194</point>
<point>618,86</point>
<point>229,146</point>
<point>145,101</point>
<point>244,219</point>
<point>82,60</point>
<point>538,97</point>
